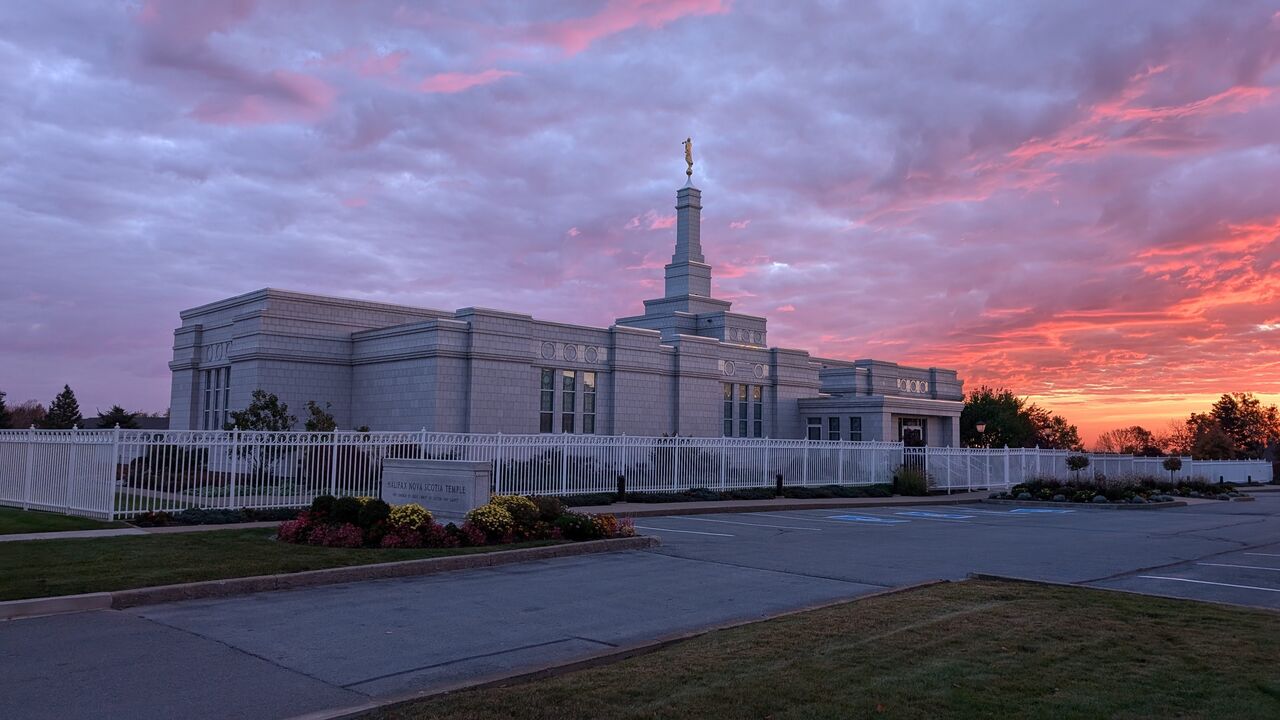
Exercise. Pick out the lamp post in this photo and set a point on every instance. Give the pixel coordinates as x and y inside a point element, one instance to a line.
<point>981,427</point>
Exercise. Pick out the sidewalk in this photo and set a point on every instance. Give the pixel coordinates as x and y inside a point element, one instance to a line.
<point>737,506</point>
<point>118,532</point>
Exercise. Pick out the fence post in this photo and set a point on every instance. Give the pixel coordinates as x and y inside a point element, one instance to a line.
<point>235,463</point>
<point>1006,467</point>
<point>950,452</point>
<point>767,444</point>
<point>333,465</point>
<point>675,477</point>
<point>840,464</point>
<point>114,473</point>
<point>724,448</point>
<point>497,460</point>
<point>26,484</point>
<point>804,475</point>
<point>564,463</point>
<point>71,470</point>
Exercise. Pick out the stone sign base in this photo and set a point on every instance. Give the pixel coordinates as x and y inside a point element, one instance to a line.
<point>448,488</point>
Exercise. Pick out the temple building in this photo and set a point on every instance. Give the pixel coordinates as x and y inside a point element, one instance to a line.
<point>687,366</point>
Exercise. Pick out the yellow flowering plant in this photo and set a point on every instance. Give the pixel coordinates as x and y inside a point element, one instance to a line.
<point>408,516</point>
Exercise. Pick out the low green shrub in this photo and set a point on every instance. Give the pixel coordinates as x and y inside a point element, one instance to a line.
<point>910,481</point>
<point>576,526</point>
<point>345,510</point>
<point>323,504</point>
<point>764,493</point>
<point>549,508</point>
<point>373,513</point>
<point>590,499</point>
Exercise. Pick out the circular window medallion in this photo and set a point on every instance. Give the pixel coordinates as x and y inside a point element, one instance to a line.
<point>570,352</point>
<point>729,367</point>
<point>548,350</point>
<point>592,355</point>
<point>758,371</point>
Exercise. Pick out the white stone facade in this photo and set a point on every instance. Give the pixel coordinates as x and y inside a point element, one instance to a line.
<point>390,367</point>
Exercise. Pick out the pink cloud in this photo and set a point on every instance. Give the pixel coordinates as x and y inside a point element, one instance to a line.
<point>281,96</point>
<point>739,224</point>
<point>459,81</point>
<point>577,34</point>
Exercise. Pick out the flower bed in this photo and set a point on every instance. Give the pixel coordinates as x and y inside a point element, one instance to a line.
<point>1099,489</point>
<point>352,522</point>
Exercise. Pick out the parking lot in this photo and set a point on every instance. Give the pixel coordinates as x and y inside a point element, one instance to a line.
<point>274,654</point>
<point>1218,551</point>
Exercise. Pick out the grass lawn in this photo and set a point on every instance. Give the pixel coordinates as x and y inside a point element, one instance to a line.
<point>14,520</point>
<point>962,650</point>
<point>37,568</point>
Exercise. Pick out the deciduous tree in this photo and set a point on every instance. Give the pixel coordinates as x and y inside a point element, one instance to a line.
<point>1132,440</point>
<point>265,412</point>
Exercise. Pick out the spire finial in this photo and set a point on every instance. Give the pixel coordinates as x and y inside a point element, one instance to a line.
<point>688,157</point>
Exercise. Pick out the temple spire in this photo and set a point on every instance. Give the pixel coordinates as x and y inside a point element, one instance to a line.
<point>688,273</point>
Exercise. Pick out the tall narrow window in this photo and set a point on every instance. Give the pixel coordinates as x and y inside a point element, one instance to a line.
<point>546,401</point>
<point>207,377</point>
<point>588,402</point>
<point>833,428</point>
<point>855,429</point>
<point>568,399</point>
<point>742,410</point>
<point>728,409</point>
<point>757,411</point>
<point>815,429</point>
<point>226,396</point>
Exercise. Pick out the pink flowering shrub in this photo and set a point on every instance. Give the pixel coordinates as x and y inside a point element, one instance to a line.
<point>294,531</point>
<point>471,535</point>
<point>345,535</point>
<point>402,538</point>
<point>437,536</point>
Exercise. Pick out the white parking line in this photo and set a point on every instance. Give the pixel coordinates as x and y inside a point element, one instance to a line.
<point>733,522</point>
<point>1246,567</point>
<point>1264,554</point>
<point>691,532</point>
<point>1206,582</point>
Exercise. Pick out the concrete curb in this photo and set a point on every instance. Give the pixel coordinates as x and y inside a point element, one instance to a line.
<point>121,599</point>
<point>605,657</point>
<point>1089,506</point>
<point>36,607</point>
<point>635,510</point>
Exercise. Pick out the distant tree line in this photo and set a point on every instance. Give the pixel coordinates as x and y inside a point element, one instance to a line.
<point>1236,427</point>
<point>63,413</point>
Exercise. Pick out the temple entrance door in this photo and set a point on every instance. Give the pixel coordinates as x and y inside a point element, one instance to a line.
<point>911,432</point>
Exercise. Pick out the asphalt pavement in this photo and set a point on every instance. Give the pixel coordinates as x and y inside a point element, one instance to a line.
<point>281,654</point>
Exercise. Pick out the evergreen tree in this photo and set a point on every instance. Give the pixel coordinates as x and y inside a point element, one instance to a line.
<point>64,412</point>
<point>5,419</point>
<point>117,416</point>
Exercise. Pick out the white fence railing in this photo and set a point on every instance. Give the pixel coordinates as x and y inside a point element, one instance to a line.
<point>122,473</point>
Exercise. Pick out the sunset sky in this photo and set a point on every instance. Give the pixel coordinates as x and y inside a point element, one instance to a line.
<point>1079,201</point>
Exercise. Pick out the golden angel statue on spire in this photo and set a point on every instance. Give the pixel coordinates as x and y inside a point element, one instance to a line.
<point>688,156</point>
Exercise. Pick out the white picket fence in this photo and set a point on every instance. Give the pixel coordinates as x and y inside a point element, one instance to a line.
<point>122,473</point>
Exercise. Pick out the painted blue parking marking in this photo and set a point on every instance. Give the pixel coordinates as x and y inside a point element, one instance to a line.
<point>1027,511</point>
<point>937,515</point>
<point>868,519</point>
